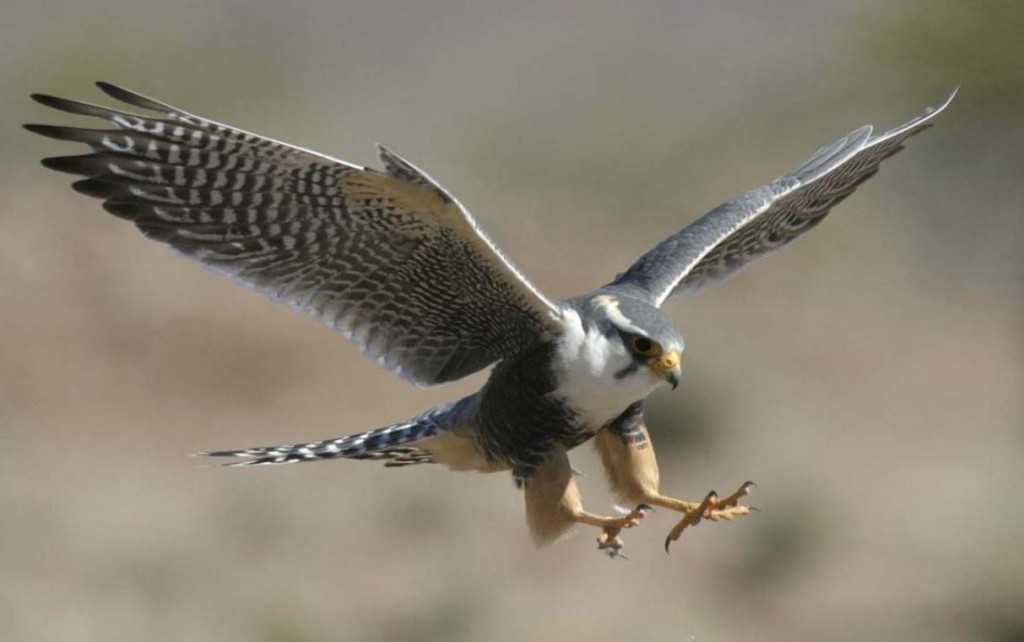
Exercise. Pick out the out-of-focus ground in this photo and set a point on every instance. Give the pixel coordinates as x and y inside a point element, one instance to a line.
<point>869,377</point>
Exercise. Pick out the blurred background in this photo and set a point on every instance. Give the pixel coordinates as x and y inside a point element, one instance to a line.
<point>869,377</point>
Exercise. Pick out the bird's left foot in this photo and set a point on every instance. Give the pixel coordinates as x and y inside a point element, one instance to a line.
<point>714,509</point>
<point>609,540</point>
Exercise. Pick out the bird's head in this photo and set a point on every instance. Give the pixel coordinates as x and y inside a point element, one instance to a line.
<point>648,345</point>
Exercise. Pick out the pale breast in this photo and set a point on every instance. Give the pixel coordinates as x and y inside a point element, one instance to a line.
<point>585,365</point>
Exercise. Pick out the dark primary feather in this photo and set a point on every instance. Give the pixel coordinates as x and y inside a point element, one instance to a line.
<point>390,259</point>
<point>733,234</point>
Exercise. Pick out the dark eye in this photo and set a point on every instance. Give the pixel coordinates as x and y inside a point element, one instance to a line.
<point>643,345</point>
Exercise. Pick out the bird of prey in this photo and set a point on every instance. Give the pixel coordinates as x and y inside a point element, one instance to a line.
<point>394,262</point>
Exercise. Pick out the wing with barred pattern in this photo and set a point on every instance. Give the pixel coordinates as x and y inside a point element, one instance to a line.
<point>390,259</point>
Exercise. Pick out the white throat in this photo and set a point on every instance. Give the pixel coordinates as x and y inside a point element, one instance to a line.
<point>585,364</point>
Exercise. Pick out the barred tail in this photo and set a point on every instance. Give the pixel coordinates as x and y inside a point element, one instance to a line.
<point>390,444</point>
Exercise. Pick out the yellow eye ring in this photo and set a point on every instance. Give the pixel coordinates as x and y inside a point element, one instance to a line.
<point>644,346</point>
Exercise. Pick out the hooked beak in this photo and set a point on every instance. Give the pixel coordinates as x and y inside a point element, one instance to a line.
<point>669,367</point>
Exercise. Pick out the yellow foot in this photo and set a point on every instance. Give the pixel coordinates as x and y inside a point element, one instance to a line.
<point>714,509</point>
<point>609,541</point>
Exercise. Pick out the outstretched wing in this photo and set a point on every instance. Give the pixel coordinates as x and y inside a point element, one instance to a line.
<point>741,230</point>
<point>389,259</point>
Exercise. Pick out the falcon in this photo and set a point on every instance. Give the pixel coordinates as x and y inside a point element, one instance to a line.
<point>394,262</point>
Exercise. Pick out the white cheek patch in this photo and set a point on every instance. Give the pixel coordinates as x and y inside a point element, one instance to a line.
<point>598,352</point>
<point>588,351</point>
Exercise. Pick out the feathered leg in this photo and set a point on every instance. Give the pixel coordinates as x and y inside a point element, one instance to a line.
<point>553,505</point>
<point>632,469</point>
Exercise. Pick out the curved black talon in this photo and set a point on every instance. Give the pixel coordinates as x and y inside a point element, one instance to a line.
<point>641,508</point>
<point>710,500</point>
<point>697,515</point>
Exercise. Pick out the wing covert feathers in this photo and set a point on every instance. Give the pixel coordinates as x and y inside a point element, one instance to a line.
<point>389,259</point>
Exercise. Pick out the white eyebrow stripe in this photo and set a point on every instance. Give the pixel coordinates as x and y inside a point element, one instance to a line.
<point>610,305</point>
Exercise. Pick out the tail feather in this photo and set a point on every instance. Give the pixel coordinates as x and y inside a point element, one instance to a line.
<point>387,443</point>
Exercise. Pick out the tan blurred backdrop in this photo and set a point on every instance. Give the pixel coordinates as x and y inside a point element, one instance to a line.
<point>868,377</point>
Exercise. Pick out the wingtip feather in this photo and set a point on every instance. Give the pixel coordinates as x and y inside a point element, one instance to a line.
<point>133,98</point>
<point>60,132</point>
<point>96,187</point>
<point>217,453</point>
<point>45,99</point>
<point>61,104</point>
<point>945,103</point>
<point>42,130</point>
<point>66,164</point>
<point>77,107</point>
